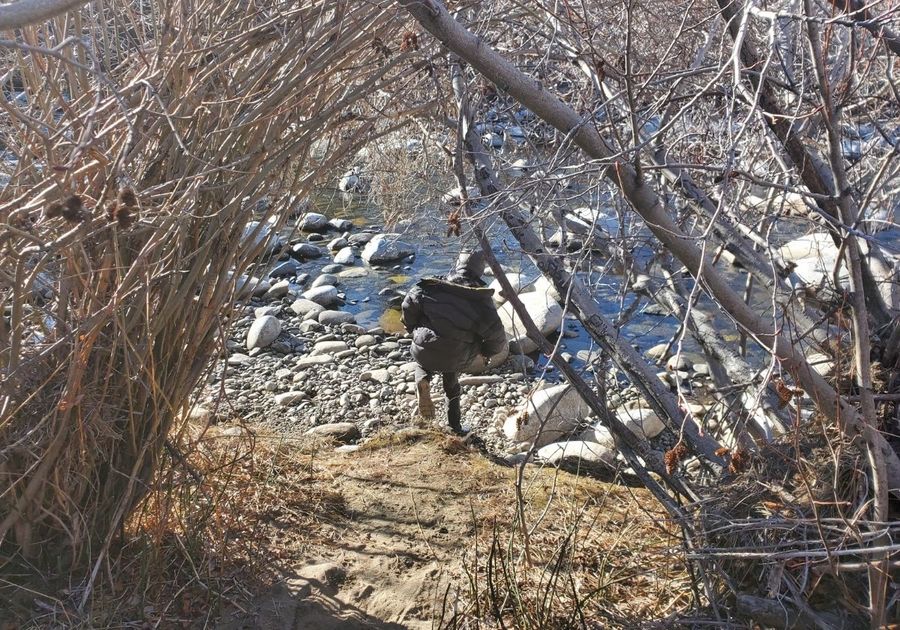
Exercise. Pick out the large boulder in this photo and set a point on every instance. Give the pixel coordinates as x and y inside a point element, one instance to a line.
<point>545,311</point>
<point>515,280</point>
<point>263,331</point>
<point>559,408</point>
<point>814,256</point>
<point>386,248</point>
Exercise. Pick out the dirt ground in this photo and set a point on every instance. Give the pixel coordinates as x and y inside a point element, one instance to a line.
<point>419,511</point>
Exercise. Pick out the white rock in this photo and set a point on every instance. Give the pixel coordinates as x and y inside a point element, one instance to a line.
<point>454,197</point>
<point>310,361</point>
<point>263,332</point>
<point>249,285</point>
<point>289,398</point>
<point>376,376</point>
<point>326,295</point>
<point>345,256</point>
<point>278,290</point>
<point>821,363</point>
<point>515,279</point>
<point>329,347</point>
<point>641,421</point>
<point>599,434</point>
<point>239,359</point>
<point>364,341</point>
<point>334,318</point>
<point>303,306</point>
<point>386,248</point>
<point>575,451</point>
<point>657,352</point>
<point>546,313</point>
<point>354,272</point>
<point>519,168</point>
<point>560,406</point>
<point>341,431</point>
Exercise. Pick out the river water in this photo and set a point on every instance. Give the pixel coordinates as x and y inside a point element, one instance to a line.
<point>436,252</point>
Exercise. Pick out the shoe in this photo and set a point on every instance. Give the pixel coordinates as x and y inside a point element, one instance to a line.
<point>423,395</point>
<point>459,430</point>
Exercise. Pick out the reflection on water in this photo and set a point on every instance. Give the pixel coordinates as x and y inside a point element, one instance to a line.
<point>390,321</point>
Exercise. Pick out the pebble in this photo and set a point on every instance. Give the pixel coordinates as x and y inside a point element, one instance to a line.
<point>278,290</point>
<point>334,318</point>
<point>328,347</point>
<point>377,376</point>
<point>338,431</point>
<point>289,398</point>
<point>481,380</point>
<point>239,359</point>
<point>309,361</point>
<point>364,341</point>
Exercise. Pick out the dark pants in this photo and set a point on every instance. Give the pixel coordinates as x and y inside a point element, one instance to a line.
<point>452,390</point>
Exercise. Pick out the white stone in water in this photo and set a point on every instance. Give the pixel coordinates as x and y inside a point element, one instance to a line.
<point>546,313</point>
<point>560,406</point>
<point>354,272</point>
<point>386,248</point>
<point>575,451</point>
<point>345,256</point>
<point>324,280</point>
<point>263,332</point>
<point>325,295</point>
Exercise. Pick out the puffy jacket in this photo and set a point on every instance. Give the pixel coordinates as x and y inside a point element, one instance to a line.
<point>451,324</point>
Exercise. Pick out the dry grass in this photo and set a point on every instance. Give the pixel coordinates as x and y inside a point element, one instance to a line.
<point>122,230</point>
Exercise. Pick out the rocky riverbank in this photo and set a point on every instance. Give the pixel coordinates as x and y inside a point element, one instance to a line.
<point>296,359</point>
